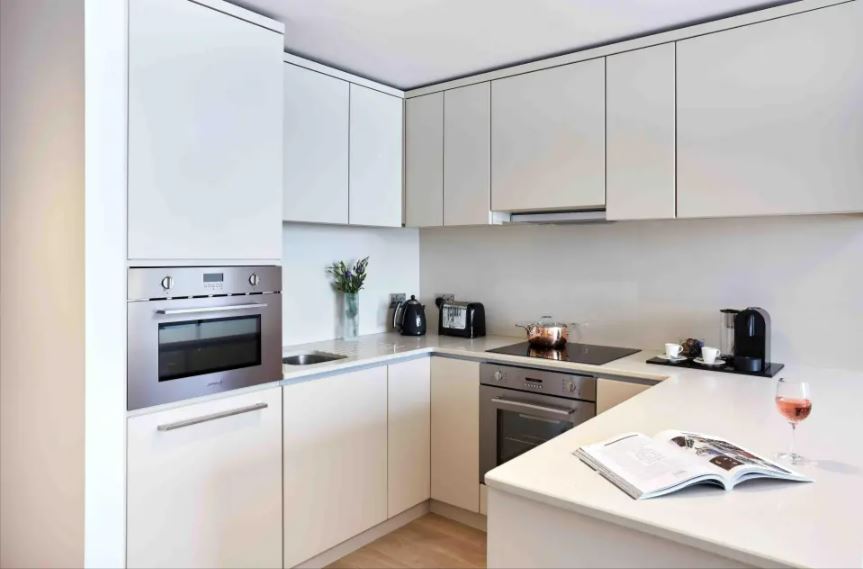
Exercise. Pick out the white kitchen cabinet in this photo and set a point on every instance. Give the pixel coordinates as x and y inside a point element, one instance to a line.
<point>376,121</point>
<point>409,433</point>
<point>641,145</point>
<point>548,139</point>
<point>610,393</point>
<point>335,460</point>
<point>205,134</point>
<point>424,135</point>
<point>455,432</point>
<point>208,493</point>
<point>467,155</point>
<point>770,120</point>
<point>316,147</point>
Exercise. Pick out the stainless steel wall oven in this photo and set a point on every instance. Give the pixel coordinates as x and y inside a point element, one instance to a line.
<point>193,331</point>
<point>521,408</point>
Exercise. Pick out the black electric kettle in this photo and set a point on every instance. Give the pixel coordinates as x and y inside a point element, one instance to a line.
<point>409,318</point>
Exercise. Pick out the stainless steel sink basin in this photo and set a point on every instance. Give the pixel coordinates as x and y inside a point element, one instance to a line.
<point>311,358</point>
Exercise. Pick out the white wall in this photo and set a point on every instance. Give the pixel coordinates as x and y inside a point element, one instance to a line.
<point>42,283</point>
<point>105,277</point>
<point>311,308</point>
<point>644,283</point>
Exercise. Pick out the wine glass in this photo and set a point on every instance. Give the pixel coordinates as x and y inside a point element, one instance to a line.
<point>795,404</point>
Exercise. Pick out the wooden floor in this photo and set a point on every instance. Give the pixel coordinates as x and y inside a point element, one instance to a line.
<point>430,541</point>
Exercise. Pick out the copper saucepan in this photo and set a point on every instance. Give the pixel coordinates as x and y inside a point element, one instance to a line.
<point>546,333</point>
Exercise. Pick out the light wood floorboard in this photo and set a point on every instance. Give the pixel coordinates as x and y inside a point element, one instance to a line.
<point>431,541</point>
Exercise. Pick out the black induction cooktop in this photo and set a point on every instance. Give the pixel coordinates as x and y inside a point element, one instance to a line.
<point>575,353</point>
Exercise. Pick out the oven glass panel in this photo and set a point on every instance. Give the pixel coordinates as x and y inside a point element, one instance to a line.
<point>518,432</point>
<point>197,347</point>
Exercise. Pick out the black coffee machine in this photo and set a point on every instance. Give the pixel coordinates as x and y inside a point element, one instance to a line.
<point>752,340</point>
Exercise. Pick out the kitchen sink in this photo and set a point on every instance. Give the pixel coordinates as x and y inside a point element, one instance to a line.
<point>311,358</point>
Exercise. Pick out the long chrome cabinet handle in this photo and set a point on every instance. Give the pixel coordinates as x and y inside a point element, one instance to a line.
<point>555,410</point>
<point>207,309</point>
<point>213,417</point>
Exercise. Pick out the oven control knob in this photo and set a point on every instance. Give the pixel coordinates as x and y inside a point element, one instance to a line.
<point>498,375</point>
<point>167,282</point>
<point>571,386</point>
<point>254,279</point>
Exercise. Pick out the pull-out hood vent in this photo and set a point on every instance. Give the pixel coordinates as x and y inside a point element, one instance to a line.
<point>560,217</point>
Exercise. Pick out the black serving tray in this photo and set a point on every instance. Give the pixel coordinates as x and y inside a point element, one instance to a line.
<point>688,363</point>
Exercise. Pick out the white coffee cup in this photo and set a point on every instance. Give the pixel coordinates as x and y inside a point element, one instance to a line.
<point>673,350</point>
<point>709,354</point>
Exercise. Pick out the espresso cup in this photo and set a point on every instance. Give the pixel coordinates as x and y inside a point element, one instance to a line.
<point>673,350</point>
<point>709,355</point>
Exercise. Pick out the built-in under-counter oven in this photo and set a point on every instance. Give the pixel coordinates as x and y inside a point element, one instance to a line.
<point>194,331</point>
<point>521,408</point>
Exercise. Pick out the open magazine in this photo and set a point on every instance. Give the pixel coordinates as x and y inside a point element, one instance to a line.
<point>646,467</point>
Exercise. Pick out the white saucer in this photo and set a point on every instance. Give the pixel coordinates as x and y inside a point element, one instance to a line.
<point>672,360</point>
<point>717,363</point>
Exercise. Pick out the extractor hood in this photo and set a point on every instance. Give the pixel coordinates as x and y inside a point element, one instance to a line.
<point>560,217</point>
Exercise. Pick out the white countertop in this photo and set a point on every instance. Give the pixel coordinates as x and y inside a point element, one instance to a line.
<point>761,523</point>
<point>380,348</point>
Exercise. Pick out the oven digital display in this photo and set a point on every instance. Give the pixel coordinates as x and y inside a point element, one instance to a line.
<point>214,278</point>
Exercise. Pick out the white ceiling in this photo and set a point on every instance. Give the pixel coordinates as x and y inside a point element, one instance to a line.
<point>410,43</point>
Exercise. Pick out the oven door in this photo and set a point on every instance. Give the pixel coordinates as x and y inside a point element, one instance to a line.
<point>514,422</point>
<point>183,348</point>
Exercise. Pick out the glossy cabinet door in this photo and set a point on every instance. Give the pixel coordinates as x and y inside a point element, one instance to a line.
<point>335,460</point>
<point>770,120</point>
<point>548,139</point>
<point>455,432</point>
<point>610,393</point>
<point>375,158</point>
<point>641,134</point>
<point>316,147</point>
<point>424,133</point>
<point>409,413</point>
<point>208,493</point>
<point>205,134</point>
<point>467,155</point>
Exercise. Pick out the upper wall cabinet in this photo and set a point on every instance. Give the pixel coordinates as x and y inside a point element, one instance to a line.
<point>316,146</point>
<point>770,119</point>
<point>375,158</point>
<point>205,134</point>
<point>641,145</point>
<point>467,155</point>
<point>548,139</point>
<point>424,132</point>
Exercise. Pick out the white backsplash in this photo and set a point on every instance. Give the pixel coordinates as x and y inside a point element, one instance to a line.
<point>310,307</point>
<point>644,283</point>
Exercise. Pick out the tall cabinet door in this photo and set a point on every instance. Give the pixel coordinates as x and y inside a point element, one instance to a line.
<point>455,432</point>
<point>375,158</point>
<point>335,460</point>
<point>424,161</point>
<point>770,120</point>
<point>641,134</point>
<point>548,139</point>
<point>467,155</point>
<point>205,134</point>
<point>316,147</point>
<point>409,403</point>
<point>204,484</point>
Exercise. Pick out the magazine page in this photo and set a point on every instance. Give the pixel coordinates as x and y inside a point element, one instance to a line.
<point>731,461</point>
<point>642,466</point>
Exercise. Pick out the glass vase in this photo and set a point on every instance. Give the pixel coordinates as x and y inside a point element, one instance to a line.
<point>350,315</point>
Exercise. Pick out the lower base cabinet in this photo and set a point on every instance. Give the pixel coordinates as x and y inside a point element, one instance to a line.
<point>455,432</point>
<point>335,460</point>
<point>610,393</point>
<point>205,484</point>
<point>409,414</point>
